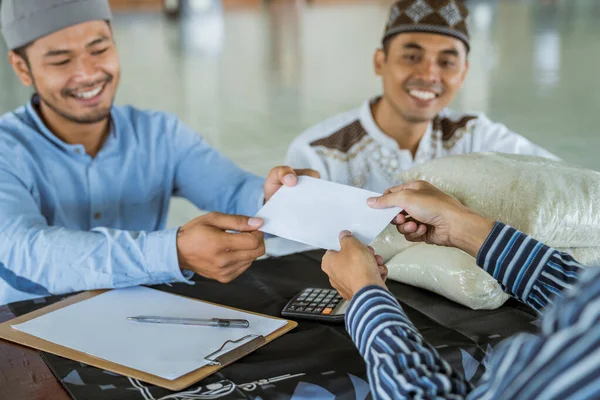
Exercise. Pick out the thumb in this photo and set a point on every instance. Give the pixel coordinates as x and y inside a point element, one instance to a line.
<point>388,200</point>
<point>239,223</point>
<point>282,175</point>
<point>347,239</point>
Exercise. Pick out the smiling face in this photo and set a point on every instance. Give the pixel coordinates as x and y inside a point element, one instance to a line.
<point>421,73</point>
<point>75,72</point>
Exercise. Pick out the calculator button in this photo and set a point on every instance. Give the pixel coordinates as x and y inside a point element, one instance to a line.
<point>327,311</point>
<point>308,309</point>
<point>292,308</point>
<point>318,310</point>
<point>299,309</point>
<point>331,305</point>
<point>301,298</point>
<point>302,304</point>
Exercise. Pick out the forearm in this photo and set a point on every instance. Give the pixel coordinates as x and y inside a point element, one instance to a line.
<point>399,361</point>
<point>62,260</point>
<point>527,269</point>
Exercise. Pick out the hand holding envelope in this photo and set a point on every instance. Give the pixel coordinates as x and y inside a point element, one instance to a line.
<point>222,246</point>
<point>314,212</point>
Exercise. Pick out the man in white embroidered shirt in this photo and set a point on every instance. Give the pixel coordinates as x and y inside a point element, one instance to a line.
<point>422,63</point>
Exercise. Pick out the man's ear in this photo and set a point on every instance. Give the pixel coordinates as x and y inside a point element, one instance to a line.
<point>21,68</point>
<point>379,59</point>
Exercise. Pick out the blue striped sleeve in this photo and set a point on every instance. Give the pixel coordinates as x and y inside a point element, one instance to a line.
<point>527,269</point>
<point>400,364</point>
<point>561,360</point>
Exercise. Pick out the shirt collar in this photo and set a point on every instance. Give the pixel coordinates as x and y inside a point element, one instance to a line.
<point>368,121</point>
<point>71,148</point>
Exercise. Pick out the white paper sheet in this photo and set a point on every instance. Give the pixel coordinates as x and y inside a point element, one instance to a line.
<point>98,326</point>
<point>279,247</point>
<point>314,212</point>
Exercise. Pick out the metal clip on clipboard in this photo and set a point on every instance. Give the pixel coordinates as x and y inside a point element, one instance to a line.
<point>238,352</point>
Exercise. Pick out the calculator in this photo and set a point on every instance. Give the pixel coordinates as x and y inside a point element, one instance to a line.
<point>325,305</point>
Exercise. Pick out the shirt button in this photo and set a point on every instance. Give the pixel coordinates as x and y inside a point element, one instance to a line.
<point>97,216</point>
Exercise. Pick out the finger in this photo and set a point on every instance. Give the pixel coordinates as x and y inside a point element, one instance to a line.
<point>383,271</point>
<point>396,196</point>
<point>409,227</point>
<point>231,258</point>
<point>422,229</point>
<point>347,239</point>
<point>379,259</point>
<point>233,222</point>
<point>393,199</point>
<point>243,241</point>
<point>414,237</point>
<point>414,185</point>
<point>372,250</point>
<point>308,172</point>
<point>399,219</point>
<point>282,175</point>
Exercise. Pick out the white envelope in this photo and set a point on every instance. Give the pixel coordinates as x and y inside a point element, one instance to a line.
<point>315,211</point>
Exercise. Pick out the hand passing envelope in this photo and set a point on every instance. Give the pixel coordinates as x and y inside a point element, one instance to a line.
<point>314,212</point>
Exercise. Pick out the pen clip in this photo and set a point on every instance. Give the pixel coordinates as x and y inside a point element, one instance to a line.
<point>237,352</point>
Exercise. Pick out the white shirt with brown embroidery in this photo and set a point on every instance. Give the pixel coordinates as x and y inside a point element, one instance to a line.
<point>351,149</point>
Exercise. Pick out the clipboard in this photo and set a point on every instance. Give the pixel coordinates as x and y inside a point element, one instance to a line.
<point>216,362</point>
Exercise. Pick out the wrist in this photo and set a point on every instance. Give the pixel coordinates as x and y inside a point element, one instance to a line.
<point>469,232</point>
<point>180,256</point>
<point>372,282</point>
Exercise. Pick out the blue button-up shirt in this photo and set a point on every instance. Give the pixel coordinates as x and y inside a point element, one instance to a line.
<point>70,222</point>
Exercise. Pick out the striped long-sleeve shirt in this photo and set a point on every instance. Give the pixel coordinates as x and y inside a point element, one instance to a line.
<point>561,361</point>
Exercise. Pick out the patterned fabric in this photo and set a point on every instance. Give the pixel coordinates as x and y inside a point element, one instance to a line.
<point>444,17</point>
<point>558,362</point>
<point>351,148</point>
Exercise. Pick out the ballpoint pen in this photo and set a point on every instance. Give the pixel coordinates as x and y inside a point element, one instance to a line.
<point>214,322</point>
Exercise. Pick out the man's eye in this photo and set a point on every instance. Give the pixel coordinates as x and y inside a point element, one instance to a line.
<point>59,63</point>
<point>448,64</point>
<point>98,52</point>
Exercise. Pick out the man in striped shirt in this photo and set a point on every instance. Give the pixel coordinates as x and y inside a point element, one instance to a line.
<point>559,362</point>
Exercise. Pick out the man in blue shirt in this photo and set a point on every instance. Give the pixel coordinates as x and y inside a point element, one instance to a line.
<point>85,185</point>
<point>560,361</point>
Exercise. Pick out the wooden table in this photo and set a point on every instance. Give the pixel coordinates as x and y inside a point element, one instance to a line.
<point>23,374</point>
